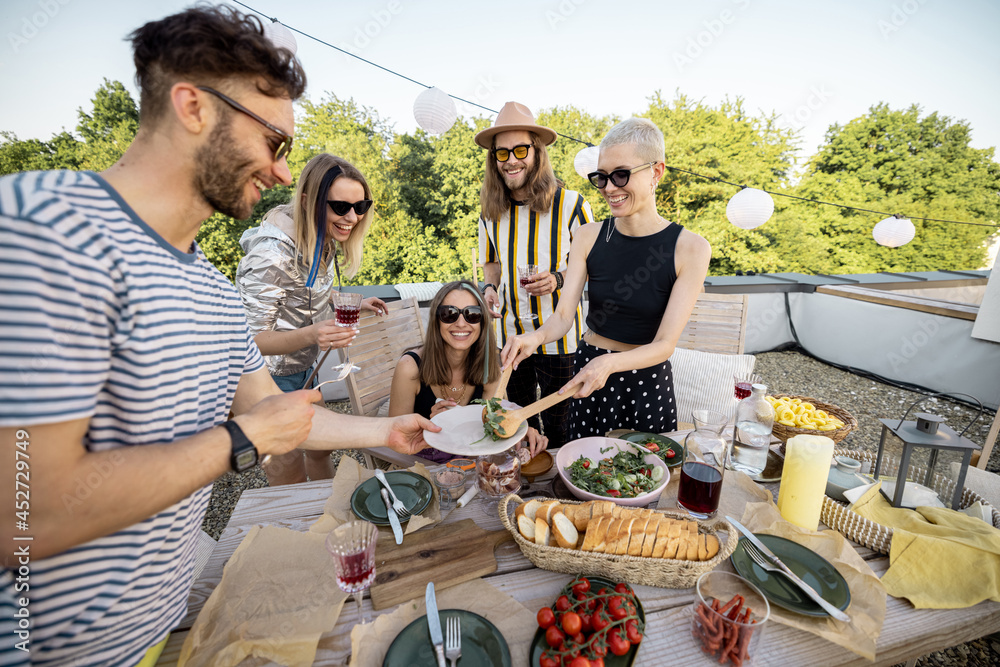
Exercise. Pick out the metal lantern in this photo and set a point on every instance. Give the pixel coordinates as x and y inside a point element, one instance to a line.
<point>894,232</point>
<point>280,36</point>
<point>750,208</point>
<point>585,161</point>
<point>930,433</point>
<point>435,111</point>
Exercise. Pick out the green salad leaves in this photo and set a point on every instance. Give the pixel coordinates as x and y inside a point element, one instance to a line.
<point>625,475</point>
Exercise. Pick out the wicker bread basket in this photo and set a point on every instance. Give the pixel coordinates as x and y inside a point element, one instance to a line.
<point>873,535</point>
<point>783,433</point>
<point>662,572</point>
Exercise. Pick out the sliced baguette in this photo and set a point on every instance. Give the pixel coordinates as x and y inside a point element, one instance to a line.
<point>662,537</point>
<point>566,533</point>
<point>581,517</point>
<point>597,535</point>
<point>636,536</point>
<point>692,547</point>
<point>542,537</point>
<point>649,537</point>
<point>546,509</point>
<point>526,527</point>
<point>624,533</point>
<point>531,507</point>
<point>712,546</point>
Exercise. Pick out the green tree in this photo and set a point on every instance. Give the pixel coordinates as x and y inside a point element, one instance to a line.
<point>573,122</point>
<point>110,127</point>
<point>60,152</point>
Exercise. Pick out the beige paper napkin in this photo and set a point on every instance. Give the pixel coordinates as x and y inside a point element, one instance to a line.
<point>268,605</point>
<point>867,608</point>
<point>350,474</point>
<point>517,623</point>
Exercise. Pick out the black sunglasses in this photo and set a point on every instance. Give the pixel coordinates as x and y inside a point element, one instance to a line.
<point>281,148</point>
<point>449,314</point>
<point>342,207</point>
<point>503,154</point>
<point>619,176</point>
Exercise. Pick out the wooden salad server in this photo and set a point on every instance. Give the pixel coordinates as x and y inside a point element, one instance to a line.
<point>512,419</point>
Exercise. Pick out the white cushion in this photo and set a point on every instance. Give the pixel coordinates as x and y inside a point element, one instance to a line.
<point>704,381</point>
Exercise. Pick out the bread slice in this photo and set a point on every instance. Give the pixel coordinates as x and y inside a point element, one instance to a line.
<point>624,533</point>
<point>566,533</point>
<point>581,517</point>
<point>616,511</point>
<point>542,537</point>
<point>531,507</point>
<point>526,527</point>
<point>649,535</point>
<point>597,532</point>
<point>636,536</point>
<point>602,507</point>
<point>692,547</point>
<point>611,544</point>
<point>546,509</point>
<point>660,544</point>
<point>711,546</point>
<point>646,513</point>
<point>702,547</point>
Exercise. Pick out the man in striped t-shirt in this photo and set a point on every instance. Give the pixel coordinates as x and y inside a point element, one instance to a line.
<point>122,352</point>
<point>528,218</point>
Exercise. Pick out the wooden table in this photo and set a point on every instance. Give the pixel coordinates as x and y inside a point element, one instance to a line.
<point>907,632</point>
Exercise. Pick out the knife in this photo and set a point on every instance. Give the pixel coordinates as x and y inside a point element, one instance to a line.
<point>397,530</point>
<point>434,623</point>
<point>806,588</point>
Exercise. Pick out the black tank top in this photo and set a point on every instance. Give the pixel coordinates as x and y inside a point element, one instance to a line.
<point>425,400</point>
<point>629,282</point>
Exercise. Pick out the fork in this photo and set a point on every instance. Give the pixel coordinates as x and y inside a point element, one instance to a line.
<point>762,560</point>
<point>453,641</point>
<point>397,504</point>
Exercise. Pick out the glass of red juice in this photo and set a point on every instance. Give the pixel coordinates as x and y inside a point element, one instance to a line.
<point>744,383</point>
<point>352,546</point>
<point>346,312</point>
<point>707,449</point>
<point>525,273</point>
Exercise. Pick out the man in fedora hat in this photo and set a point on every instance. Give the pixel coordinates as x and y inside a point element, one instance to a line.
<point>528,218</point>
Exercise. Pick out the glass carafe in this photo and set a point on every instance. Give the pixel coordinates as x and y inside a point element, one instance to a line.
<point>706,454</point>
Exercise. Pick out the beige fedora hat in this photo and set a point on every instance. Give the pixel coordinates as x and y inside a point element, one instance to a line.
<point>514,116</point>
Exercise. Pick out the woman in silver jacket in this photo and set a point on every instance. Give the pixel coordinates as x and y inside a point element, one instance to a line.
<point>291,268</point>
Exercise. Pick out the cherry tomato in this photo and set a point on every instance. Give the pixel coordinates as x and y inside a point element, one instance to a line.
<point>563,603</point>
<point>604,591</point>
<point>598,645</point>
<point>616,607</point>
<point>651,446</point>
<point>617,643</point>
<point>582,585</point>
<point>579,661</point>
<point>600,620</point>
<point>597,662</point>
<point>623,589</point>
<point>548,661</point>
<point>571,623</point>
<point>554,637</point>
<point>614,492</point>
<point>579,638</point>
<point>546,618</point>
<point>632,631</point>
<point>670,454</point>
<point>586,464</point>
<point>585,623</point>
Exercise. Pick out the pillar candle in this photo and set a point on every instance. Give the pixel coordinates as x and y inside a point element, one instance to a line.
<point>803,479</point>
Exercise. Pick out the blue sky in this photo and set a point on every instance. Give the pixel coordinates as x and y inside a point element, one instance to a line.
<point>813,63</point>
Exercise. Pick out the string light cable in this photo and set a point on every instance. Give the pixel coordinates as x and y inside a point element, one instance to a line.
<point>590,145</point>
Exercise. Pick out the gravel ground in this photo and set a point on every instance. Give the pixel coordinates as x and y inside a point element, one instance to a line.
<point>783,372</point>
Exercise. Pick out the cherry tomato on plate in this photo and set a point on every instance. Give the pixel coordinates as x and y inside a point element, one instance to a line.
<point>554,637</point>
<point>546,618</point>
<point>618,644</point>
<point>580,661</point>
<point>563,603</point>
<point>632,631</point>
<point>670,453</point>
<point>582,585</point>
<point>548,661</point>
<point>571,623</point>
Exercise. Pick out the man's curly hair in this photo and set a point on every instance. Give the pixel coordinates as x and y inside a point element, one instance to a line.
<point>208,46</point>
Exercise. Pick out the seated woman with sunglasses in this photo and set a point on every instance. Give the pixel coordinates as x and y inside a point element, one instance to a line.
<point>292,266</point>
<point>457,364</point>
<point>644,275</point>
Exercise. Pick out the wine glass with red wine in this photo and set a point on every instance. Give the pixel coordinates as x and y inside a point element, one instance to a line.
<point>524,275</point>
<point>352,546</point>
<point>346,312</point>
<point>744,383</point>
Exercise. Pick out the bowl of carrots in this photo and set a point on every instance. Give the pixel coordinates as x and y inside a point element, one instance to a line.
<point>728,618</point>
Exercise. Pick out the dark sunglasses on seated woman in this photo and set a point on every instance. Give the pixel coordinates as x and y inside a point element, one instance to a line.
<point>342,207</point>
<point>449,314</point>
<point>619,176</point>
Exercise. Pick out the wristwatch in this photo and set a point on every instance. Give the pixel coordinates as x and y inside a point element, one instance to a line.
<point>489,285</point>
<point>559,280</point>
<point>244,454</point>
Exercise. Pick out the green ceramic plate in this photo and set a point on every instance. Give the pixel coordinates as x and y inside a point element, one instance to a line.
<point>806,563</point>
<point>538,644</point>
<point>415,492</point>
<point>666,444</point>
<point>482,643</point>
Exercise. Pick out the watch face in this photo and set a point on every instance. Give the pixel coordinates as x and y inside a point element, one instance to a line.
<point>246,459</point>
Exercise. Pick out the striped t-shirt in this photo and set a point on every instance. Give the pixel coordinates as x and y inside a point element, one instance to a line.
<point>101,318</point>
<point>520,237</point>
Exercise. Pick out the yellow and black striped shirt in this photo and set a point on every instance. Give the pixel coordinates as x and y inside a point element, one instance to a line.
<point>532,238</point>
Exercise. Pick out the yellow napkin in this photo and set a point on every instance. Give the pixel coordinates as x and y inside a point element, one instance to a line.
<point>933,552</point>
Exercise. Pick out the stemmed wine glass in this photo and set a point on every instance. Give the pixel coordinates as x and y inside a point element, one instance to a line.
<point>744,383</point>
<point>352,546</point>
<point>346,310</point>
<point>524,274</point>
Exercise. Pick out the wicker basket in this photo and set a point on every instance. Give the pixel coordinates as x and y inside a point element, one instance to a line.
<point>662,572</point>
<point>783,433</point>
<point>873,535</point>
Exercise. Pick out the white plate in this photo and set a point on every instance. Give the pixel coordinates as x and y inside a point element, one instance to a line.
<point>462,432</point>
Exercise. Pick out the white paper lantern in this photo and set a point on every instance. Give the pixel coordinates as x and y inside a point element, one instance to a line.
<point>750,208</point>
<point>280,36</point>
<point>894,232</point>
<point>585,161</point>
<point>435,111</point>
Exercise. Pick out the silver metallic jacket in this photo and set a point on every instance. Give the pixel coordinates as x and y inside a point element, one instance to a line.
<point>271,279</point>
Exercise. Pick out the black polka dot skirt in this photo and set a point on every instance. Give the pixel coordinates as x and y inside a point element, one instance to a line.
<point>641,400</point>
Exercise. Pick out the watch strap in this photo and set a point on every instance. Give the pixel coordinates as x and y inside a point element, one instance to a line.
<point>559,280</point>
<point>489,285</point>
<point>244,455</point>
